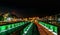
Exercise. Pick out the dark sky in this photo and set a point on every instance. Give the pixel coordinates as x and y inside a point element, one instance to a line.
<point>32,8</point>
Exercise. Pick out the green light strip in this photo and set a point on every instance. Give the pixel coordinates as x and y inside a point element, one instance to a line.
<point>27,28</point>
<point>10,26</point>
<point>50,27</point>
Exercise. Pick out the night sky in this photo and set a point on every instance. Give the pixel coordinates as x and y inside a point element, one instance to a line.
<point>30,9</point>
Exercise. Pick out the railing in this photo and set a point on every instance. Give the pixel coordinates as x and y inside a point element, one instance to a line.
<point>9,28</point>
<point>50,27</point>
<point>31,29</point>
<point>27,30</point>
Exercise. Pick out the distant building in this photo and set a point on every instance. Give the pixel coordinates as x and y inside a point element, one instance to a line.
<point>7,16</point>
<point>57,18</point>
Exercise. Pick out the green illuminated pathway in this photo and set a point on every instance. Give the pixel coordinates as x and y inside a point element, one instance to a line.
<point>19,28</point>
<point>27,28</point>
<point>46,28</point>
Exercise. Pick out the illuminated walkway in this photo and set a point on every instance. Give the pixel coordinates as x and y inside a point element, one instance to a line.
<point>28,28</point>
<point>42,30</point>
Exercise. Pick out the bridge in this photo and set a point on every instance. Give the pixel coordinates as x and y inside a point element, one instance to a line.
<point>34,27</point>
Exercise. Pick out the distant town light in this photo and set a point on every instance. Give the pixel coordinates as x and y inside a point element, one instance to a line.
<point>9,19</point>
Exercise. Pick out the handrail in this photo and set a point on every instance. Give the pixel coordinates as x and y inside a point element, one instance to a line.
<point>8,27</point>
<point>26,29</point>
<point>50,27</point>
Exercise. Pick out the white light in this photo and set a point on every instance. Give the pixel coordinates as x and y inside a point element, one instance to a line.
<point>58,19</point>
<point>8,19</point>
<point>25,32</point>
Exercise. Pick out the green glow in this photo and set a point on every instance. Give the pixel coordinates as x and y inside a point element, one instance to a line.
<point>26,28</point>
<point>9,26</point>
<point>12,25</point>
<point>3,28</point>
<point>15,25</point>
<point>0,28</point>
<point>19,24</point>
<point>55,29</point>
<point>51,27</point>
<point>48,26</point>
